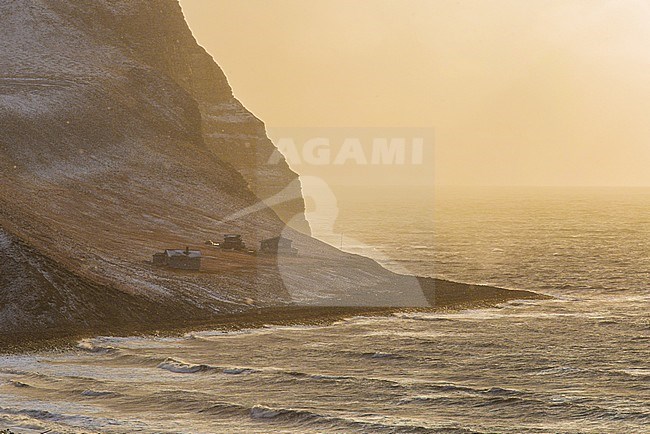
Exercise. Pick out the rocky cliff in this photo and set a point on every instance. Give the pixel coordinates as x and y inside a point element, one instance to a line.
<point>119,137</point>
<point>154,33</point>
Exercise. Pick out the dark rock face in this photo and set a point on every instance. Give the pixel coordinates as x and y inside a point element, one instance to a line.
<point>39,294</point>
<point>156,34</point>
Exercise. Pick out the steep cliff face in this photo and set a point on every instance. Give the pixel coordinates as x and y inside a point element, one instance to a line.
<point>156,34</point>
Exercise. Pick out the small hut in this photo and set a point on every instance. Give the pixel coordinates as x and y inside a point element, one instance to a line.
<point>180,259</point>
<point>233,242</point>
<point>278,246</point>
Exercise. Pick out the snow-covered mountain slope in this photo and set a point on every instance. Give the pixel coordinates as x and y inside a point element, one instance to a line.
<point>119,137</point>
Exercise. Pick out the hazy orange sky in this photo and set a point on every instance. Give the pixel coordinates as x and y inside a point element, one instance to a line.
<point>547,92</point>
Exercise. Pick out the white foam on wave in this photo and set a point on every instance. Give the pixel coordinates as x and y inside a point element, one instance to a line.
<point>88,345</point>
<point>559,370</point>
<point>466,315</point>
<point>181,367</point>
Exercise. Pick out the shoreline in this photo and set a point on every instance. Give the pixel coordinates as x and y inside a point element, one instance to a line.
<point>62,339</point>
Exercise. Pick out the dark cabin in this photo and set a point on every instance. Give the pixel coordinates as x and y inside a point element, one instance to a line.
<point>180,259</point>
<point>278,246</point>
<point>233,242</point>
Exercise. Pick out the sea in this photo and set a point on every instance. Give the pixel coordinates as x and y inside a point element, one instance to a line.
<point>576,363</point>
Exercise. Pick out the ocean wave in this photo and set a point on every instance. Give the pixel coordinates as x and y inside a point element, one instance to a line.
<point>238,371</point>
<point>502,391</point>
<point>501,401</point>
<point>56,421</point>
<point>310,418</point>
<point>196,402</point>
<point>636,372</point>
<point>99,394</point>
<point>493,391</point>
<point>89,346</point>
<point>22,373</point>
<point>558,370</point>
<point>181,367</point>
<point>222,409</point>
<point>32,413</point>
<point>475,400</point>
<point>302,417</point>
<point>340,378</point>
<point>611,414</point>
